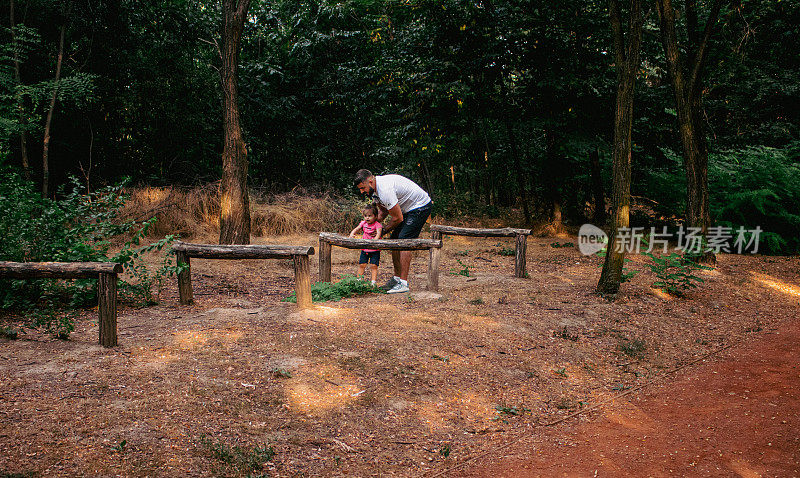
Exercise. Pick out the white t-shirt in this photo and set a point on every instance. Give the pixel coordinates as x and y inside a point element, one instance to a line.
<point>394,189</point>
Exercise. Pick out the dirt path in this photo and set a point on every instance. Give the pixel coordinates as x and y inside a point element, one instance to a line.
<point>735,415</point>
<point>413,384</point>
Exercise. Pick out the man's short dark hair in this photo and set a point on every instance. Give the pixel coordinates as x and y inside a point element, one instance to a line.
<point>361,176</point>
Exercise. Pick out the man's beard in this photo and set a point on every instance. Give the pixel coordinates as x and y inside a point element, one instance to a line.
<point>371,191</point>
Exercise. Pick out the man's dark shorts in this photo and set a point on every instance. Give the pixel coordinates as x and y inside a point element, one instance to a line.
<point>413,221</point>
<point>370,257</point>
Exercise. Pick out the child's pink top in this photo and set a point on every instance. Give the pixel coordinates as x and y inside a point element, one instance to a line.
<point>370,232</point>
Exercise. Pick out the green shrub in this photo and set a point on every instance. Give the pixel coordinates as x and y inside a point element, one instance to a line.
<point>77,227</point>
<point>749,187</point>
<point>759,186</point>
<point>675,272</point>
<point>350,285</point>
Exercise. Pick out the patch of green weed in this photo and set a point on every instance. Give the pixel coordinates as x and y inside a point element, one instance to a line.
<point>348,286</point>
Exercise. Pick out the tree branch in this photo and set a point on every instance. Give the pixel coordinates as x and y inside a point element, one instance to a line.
<point>700,56</point>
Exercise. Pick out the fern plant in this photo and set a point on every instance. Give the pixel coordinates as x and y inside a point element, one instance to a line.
<point>676,273</point>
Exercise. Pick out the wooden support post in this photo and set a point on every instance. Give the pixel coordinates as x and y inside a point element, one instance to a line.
<point>433,263</point>
<point>522,249</point>
<point>107,308</point>
<point>324,260</point>
<point>302,281</point>
<point>184,278</point>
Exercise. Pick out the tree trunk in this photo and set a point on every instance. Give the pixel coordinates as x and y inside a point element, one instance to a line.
<point>234,221</point>
<point>554,177</point>
<point>599,216</point>
<point>23,140</point>
<point>48,122</point>
<point>686,78</point>
<point>627,63</point>
<point>519,176</point>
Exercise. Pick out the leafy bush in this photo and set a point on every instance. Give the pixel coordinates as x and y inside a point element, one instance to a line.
<point>759,186</point>
<point>76,228</point>
<point>675,272</point>
<point>749,187</point>
<point>350,285</point>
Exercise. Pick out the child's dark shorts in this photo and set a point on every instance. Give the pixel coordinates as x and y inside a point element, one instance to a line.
<point>370,257</point>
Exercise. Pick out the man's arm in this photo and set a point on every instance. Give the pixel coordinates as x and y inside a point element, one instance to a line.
<point>382,212</point>
<point>397,218</point>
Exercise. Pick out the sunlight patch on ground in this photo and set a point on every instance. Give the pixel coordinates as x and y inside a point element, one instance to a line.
<point>771,282</point>
<point>475,406</point>
<point>325,313</point>
<point>319,391</point>
<point>743,469</point>
<point>632,418</point>
<point>193,339</point>
<point>661,294</point>
<point>189,339</point>
<point>430,414</point>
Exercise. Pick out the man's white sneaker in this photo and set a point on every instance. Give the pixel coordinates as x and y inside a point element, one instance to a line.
<point>390,284</point>
<point>398,288</point>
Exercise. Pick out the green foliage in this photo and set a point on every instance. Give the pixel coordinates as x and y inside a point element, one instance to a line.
<point>675,272</point>
<point>281,373</point>
<point>507,251</point>
<point>510,411</point>
<point>120,447</point>
<point>242,460</point>
<point>634,348</point>
<point>8,333</point>
<point>78,227</point>
<point>759,186</point>
<point>348,286</point>
<point>464,271</point>
<point>444,450</point>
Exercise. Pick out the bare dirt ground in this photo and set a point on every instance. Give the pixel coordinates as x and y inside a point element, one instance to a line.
<point>737,415</point>
<point>408,385</point>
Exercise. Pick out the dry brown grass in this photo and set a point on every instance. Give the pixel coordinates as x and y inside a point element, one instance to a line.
<point>193,212</point>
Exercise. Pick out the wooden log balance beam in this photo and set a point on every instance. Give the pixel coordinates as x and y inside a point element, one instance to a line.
<point>521,235</point>
<point>104,272</point>
<point>327,239</point>
<point>299,255</point>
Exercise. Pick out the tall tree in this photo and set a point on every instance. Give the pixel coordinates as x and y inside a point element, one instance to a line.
<point>23,141</point>
<point>50,110</point>
<point>234,221</point>
<point>627,63</point>
<point>686,71</point>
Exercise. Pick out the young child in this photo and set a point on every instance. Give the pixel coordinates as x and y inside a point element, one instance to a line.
<point>372,230</point>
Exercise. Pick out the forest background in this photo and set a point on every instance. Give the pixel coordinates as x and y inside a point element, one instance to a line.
<point>488,105</point>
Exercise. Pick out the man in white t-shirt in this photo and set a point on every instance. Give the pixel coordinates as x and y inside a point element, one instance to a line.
<point>408,204</point>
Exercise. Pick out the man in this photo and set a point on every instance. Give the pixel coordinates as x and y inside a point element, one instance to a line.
<point>408,204</point>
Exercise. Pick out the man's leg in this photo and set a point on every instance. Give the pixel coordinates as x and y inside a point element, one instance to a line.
<point>405,264</point>
<point>397,263</point>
